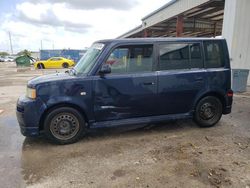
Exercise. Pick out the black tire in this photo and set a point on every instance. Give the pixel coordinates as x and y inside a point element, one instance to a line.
<point>40,66</point>
<point>208,111</point>
<point>65,65</point>
<point>64,125</point>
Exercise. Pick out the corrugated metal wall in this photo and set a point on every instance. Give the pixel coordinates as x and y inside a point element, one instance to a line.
<point>236,29</point>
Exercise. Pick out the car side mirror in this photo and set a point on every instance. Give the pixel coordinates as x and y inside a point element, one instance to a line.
<point>106,69</point>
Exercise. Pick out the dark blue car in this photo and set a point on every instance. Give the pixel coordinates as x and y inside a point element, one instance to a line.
<point>130,81</point>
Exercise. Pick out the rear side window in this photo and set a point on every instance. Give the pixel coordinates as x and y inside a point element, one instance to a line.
<point>196,60</point>
<point>175,56</point>
<point>213,54</point>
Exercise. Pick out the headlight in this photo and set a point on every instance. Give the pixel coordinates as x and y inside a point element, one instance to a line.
<point>31,93</point>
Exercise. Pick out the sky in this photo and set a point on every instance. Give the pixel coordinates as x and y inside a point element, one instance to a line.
<point>63,24</point>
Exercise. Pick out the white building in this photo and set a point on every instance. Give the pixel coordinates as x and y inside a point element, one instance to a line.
<point>236,29</point>
<point>202,18</point>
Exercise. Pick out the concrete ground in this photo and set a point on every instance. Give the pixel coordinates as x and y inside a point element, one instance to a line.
<point>174,154</point>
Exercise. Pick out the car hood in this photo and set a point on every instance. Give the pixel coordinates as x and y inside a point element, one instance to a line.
<point>50,78</point>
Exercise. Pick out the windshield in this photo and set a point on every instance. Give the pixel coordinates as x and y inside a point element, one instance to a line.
<point>86,63</point>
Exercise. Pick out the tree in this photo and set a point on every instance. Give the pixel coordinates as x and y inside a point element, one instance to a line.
<point>24,52</point>
<point>4,53</point>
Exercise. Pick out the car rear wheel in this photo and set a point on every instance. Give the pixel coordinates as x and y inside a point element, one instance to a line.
<point>40,66</point>
<point>208,111</point>
<point>65,65</point>
<point>64,125</point>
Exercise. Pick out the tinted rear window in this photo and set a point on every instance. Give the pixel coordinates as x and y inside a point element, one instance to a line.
<point>174,56</point>
<point>196,60</point>
<point>213,54</point>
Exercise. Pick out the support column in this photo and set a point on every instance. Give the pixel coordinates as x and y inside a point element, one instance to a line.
<point>179,26</point>
<point>236,30</point>
<point>145,33</point>
<point>215,29</point>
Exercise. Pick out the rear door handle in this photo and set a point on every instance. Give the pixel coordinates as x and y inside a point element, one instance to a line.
<point>199,79</point>
<point>148,83</point>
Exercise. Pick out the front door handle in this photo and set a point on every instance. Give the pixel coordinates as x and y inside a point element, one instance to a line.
<point>148,83</point>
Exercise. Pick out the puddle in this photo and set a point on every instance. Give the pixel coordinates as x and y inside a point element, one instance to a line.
<point>10,152</point>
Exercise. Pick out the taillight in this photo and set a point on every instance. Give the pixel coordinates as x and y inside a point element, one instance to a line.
<point>230,93</point>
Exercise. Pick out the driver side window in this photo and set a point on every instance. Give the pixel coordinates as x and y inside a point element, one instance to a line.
<point>131,59</point>
<point>118,60</point>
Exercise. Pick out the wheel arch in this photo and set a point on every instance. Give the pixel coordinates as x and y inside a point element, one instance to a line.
<point>58,105</point>
<point>65,63</point>
<point>218,95</point>
<point>40,64</point>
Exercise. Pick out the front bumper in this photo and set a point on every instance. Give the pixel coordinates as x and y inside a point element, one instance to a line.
<point>29,131</point>
<point>28,114</point>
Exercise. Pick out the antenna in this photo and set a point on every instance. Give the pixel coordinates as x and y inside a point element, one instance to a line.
<point>41,44</point>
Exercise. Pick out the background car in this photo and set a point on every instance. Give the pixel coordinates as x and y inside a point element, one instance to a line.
<point>8,59</point>
<point>54,62</point>
<point>1,59</point>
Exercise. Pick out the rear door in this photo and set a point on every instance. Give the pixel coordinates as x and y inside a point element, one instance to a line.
<point>131,87</point>
<point>181,76</point>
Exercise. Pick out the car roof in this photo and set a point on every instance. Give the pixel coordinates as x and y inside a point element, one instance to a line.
<point>158,39</point>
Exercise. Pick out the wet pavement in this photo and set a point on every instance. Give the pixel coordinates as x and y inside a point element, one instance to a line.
<point>173,154</point>
<point>10,153</point>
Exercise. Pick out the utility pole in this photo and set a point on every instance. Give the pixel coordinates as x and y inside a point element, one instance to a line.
<point>11,48</point>
<point>41,44</point>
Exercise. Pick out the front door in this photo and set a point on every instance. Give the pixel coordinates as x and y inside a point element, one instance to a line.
<point>51,62</point>
<point>131,87</point>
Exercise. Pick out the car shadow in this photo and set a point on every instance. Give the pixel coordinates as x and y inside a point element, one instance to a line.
<point>116,132</point>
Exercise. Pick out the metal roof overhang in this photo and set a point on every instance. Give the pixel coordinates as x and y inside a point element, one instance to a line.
<point>201,18</point>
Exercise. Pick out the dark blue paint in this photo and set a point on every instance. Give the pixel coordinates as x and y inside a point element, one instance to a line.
<point>178,89</point>
<point>124,96</point>
<point>115,100</point>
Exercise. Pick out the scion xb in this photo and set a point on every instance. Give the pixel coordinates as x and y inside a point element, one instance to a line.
<point>123,82</point>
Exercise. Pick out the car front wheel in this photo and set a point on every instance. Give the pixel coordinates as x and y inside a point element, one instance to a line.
<point>208,111</point>
<point>64,125</point>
